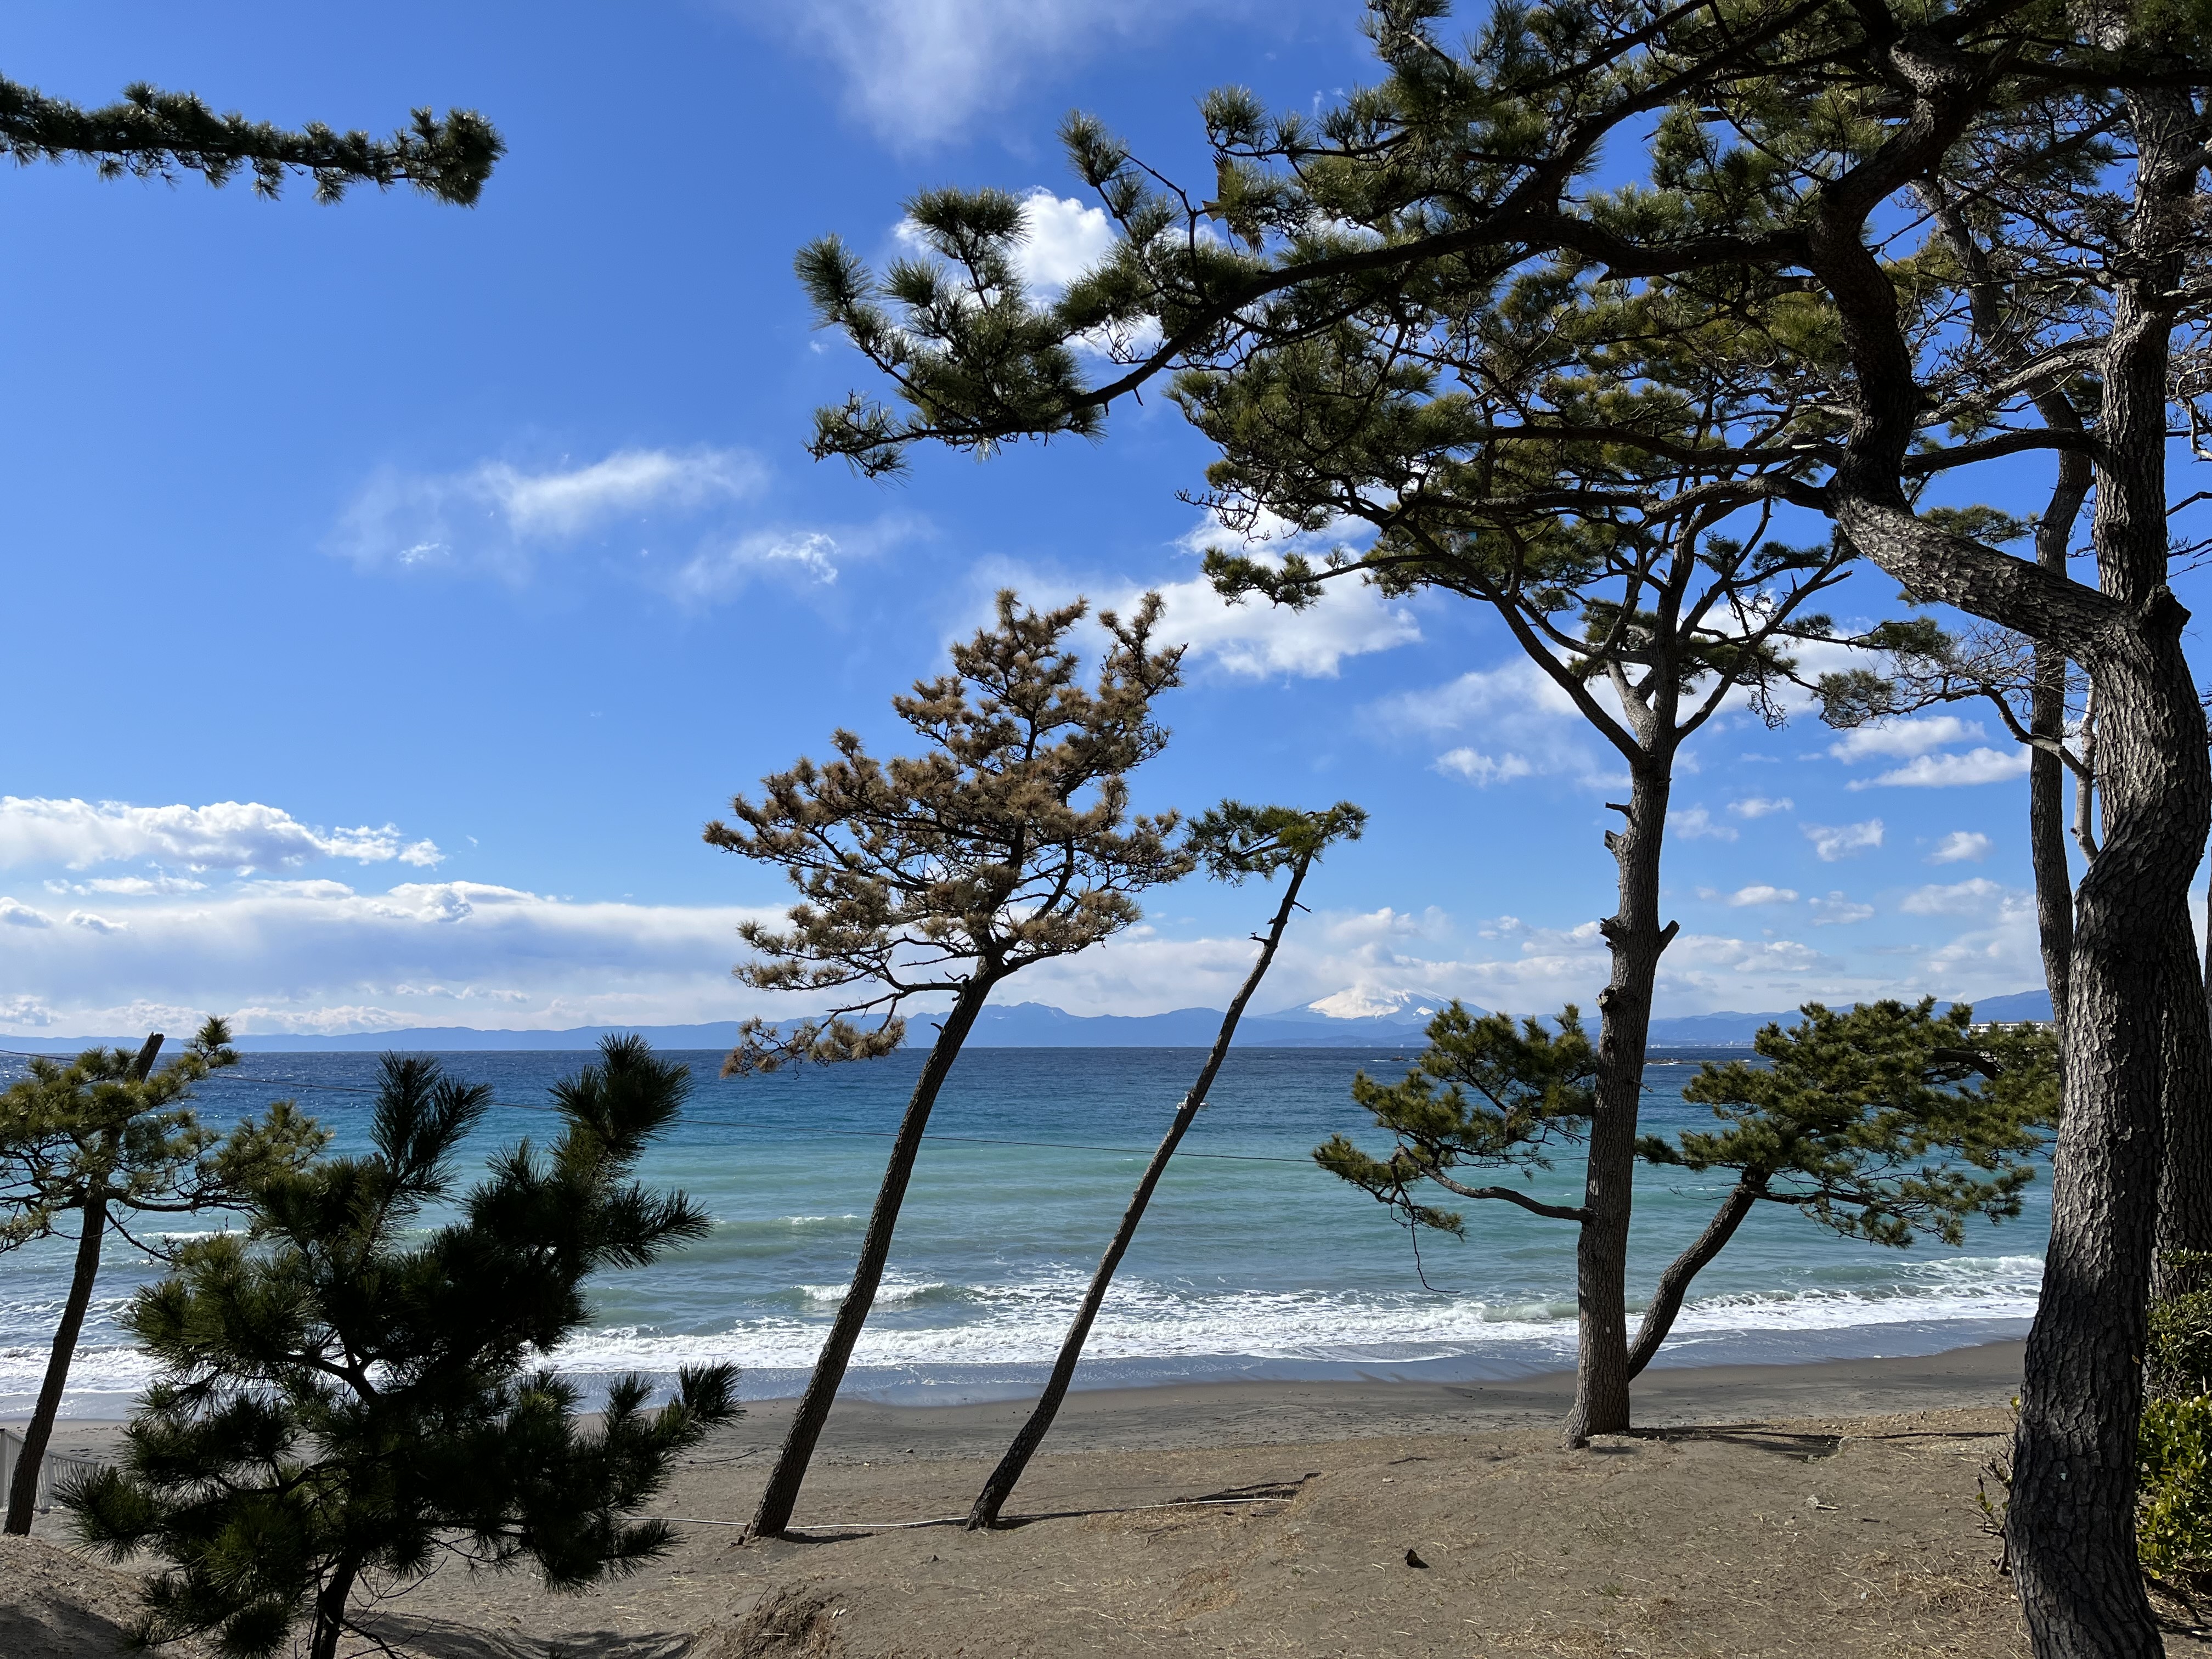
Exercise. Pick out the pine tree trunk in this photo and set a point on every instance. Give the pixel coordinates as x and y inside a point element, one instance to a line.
<point>1674,1283</point>
<point>23,1490</point>
<point>330,1624</point>
<point>2185,1183</point>
<point>1003,1479</point>
<point>777,1504</point>
<point>2072,1511</point>
<point>2046,718</point>
<point>2046,773</point>
<point>1633,932</point>
<point>2071,1520</point>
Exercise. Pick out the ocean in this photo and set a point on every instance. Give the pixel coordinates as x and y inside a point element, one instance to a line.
<point>1252,1262</point>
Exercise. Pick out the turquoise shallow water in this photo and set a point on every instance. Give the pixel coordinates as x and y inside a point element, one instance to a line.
<point>1251,1262</point>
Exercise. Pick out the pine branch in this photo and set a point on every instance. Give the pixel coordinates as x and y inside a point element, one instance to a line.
<point>150,133</point>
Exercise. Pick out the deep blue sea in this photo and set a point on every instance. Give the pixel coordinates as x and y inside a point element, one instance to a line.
<point>1251,1262</point>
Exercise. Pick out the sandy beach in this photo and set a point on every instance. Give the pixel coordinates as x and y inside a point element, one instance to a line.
<point>1819,1508</point>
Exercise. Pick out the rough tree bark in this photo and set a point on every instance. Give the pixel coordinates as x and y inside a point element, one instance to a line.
<point>1001,1486</point>
<point>2072,1519</point>
<point>774,1514</point>
<point>2185,1180</point>
<point>2046,773</point>
<point>1602,1369</point>
<point>92,1233</point>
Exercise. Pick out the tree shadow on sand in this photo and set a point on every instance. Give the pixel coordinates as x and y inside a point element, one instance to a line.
<point>438,1638</point>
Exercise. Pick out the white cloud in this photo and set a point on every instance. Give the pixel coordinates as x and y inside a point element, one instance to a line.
<point>1529,727</point>
<point>1757,893</point>
<point>1837,911</point>
<point>1838,840</point>
<point>318,957</point>
<point>1759,806</point>
<point>1961,847</point>
<point>1695,822</point>
<point>1480,770</point>
<point>808,556</point>
<point>225,835</point>
<point>1951,771</point>
<point>1900,737</point>
<point>1965,898</point>
<point>1256,638</point>
<point>129,886</point>
<point>1513,690</point>
<point>15,914</point>
<point>919,72</point>
<point>1748,957</point>
<point>496,515</point>
<point>1062,239</point>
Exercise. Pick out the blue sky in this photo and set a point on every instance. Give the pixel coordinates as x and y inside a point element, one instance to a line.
<point>394,590</point>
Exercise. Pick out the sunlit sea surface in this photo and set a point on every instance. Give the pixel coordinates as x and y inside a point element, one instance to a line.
<point>1252,1262</point>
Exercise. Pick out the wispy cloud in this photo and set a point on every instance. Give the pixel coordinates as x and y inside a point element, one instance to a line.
<point>1961,847</point>
<point>920,72</point>
<point>1473,766</point>
<point>1757,893</point>
<point>1759,806</point>
<point>498,517</point>
<point>1916,742</point>
<point>1899,738</point>
<point>1839,840</point>
<point>1695,822</point>
<point>1527,726</point>
<point>225,835</point>
<point>1837,911</point>
<point>1951,771</point>
<point>1974,897</point>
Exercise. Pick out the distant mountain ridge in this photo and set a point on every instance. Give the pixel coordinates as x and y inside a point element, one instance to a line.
<point>1039,1025</point>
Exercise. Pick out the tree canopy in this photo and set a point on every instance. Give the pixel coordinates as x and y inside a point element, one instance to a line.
<point>346,1394</point>
<point>1007,842</point>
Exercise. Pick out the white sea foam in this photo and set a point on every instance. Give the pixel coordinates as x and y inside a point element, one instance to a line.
<point>1023,1323</point>
<point>923,1324</point>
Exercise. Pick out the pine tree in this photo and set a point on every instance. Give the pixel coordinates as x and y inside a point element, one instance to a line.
<point>149,133</point>
<point>1008,842</point>
<point>346,1400</point>
<point>1802,154</point>
<point>1883,1123</point>
<point>109,1141</point>
<point>1234,841</point>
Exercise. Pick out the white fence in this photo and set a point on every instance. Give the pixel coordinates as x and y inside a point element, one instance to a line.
<point>55,1470</point>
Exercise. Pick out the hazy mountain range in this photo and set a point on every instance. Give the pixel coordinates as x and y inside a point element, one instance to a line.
<point>1391,1021</point>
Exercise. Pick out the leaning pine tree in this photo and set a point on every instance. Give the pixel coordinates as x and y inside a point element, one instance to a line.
<point>348,1400</point>
<point>1007,842</point>
<point>111,1144</point>
<point>1234,841</point>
